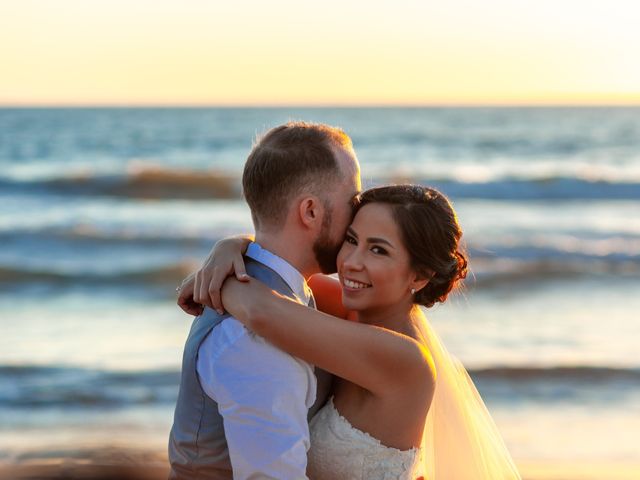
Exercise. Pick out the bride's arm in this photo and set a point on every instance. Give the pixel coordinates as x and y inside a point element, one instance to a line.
<point>225,259</point>
<point>372,357</point>
<point>203,286</point>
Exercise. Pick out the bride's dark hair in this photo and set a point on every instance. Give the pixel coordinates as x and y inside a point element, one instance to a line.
<point>431,234</point>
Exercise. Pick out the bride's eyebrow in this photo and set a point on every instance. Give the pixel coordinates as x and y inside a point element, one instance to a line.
<point>352,232</point>
<point>379,240</point>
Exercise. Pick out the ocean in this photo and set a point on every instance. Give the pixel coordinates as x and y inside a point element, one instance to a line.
<point>103,211</point>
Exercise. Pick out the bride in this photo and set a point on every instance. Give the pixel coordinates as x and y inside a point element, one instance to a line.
<point>401,407</point>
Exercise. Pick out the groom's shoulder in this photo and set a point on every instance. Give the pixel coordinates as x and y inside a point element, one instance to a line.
<point>232,349</point>
<point>260,271</point>
<point>267,275</point>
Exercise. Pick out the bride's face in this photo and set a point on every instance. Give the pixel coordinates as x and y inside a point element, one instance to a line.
<point>373,264</point>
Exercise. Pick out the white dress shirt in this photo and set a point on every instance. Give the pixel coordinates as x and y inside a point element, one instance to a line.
<point>263,393</point>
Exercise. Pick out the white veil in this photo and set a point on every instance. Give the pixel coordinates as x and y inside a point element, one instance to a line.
<point>461,441</point>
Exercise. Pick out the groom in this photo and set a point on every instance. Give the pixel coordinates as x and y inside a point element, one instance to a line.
<point>243,404</point>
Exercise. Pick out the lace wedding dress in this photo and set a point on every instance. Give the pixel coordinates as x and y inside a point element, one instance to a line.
<point>341,451</point>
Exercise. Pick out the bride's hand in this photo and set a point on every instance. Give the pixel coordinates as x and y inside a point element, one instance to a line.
<point>185,296</point>
<point>203,286</point>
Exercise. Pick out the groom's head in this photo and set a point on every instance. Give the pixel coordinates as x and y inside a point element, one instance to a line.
<point>301,178</point>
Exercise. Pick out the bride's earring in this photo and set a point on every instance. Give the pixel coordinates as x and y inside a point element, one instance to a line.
<point>413,291</point>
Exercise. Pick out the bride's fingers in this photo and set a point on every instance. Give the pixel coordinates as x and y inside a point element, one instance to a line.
<point>210,278</point>
<point>190,307</point>
<point>201,289</point>
<point>185,296</point>
<point>196,291</point>
<point>241,272</point>
<point>205,292</point>
<point>215,285</point>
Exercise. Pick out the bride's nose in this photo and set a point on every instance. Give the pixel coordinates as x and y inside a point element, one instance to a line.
<point>353,260</point>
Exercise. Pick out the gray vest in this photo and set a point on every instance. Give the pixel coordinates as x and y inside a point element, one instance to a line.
<point>197,445</point>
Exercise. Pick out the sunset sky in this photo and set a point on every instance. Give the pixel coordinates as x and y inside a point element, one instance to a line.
<point>348,52</point>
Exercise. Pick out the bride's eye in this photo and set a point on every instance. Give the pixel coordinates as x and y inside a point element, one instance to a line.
<point>378,250</point>
<point>351,240</point>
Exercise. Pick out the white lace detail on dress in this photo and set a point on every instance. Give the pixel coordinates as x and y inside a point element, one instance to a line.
<point>341,451</point>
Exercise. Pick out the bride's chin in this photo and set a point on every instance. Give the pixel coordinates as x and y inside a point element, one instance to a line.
<point>351,304</point>
<point>356,305</point>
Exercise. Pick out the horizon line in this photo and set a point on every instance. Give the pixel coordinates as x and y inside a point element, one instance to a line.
<point>176,105</point>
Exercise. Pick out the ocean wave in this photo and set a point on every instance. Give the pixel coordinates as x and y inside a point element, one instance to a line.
<point>485,272</point>
<point>551,188</point>
<point>32,387</point>
<point>573,386</point>
<point>507,273</point>
<point>144,182</point>
<point>168,274</point>
<point>590,374</point>
<point>38,386</point>
<point>89,235</point>
<point>156,182</point>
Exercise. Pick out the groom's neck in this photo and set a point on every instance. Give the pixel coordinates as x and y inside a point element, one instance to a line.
<point>289,248</point>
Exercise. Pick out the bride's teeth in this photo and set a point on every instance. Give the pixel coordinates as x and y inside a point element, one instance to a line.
<point>352,284</point>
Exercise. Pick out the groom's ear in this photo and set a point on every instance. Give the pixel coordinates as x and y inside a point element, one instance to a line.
<point>310,211</point>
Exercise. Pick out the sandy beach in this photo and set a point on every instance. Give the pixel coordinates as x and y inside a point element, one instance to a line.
<point>104,464</point>
<point>138,464</point>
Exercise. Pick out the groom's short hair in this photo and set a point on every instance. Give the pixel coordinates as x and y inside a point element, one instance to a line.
<point>288,160</point>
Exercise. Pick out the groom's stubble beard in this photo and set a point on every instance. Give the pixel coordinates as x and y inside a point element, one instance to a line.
<point>324,248</point>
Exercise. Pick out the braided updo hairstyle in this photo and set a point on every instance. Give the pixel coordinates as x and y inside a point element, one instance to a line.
<point>431,234</point>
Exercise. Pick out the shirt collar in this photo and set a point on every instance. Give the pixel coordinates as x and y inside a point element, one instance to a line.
<point>289,274</point>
